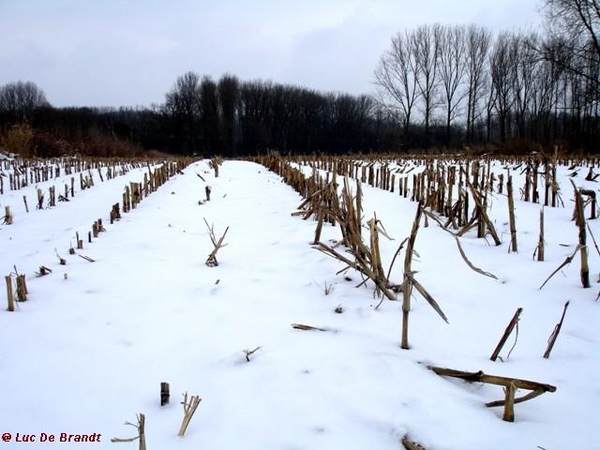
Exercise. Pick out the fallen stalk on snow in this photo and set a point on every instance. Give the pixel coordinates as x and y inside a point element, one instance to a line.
<point>427,296</point>
<point>300,326</point>
<point>566,262</point>
<point>43,271</point>
<point>460,248</point>
<point>249,353</point>
<point>510,384</point>
<point>470,264</point>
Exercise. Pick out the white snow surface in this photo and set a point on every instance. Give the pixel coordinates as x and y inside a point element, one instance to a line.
<point>92,344</point>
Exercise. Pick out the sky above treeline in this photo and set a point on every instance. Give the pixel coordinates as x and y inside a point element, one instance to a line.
<point>130,52</point>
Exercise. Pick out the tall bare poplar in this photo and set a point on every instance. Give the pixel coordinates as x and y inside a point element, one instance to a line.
<point>452,69</point>
<point>478,42</point>
<point>396,77</point>
<point>426,43</point>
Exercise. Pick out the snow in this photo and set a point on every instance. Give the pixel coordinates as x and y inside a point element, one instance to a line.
<point>92,344</point>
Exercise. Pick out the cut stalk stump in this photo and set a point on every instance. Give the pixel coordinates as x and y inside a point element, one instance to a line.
<point>410,444</point>
<point>164,393</point>
<point>43,270</point>
<point>9,293</point>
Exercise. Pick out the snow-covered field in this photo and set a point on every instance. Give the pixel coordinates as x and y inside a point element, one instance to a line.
<point>92,344</point>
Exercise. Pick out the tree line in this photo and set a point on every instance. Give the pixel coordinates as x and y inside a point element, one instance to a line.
<point>437,86</point>
<point>232,117</point>
<point>515,86</point>
<point>206,117</point>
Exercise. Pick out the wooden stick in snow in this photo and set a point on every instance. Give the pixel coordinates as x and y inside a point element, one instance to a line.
<point>512,324</point>
<point>554,335</point>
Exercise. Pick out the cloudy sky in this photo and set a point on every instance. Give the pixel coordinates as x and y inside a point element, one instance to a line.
<point>129,52</point>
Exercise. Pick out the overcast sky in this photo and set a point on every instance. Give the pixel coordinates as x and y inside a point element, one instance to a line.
<point>129,52</point>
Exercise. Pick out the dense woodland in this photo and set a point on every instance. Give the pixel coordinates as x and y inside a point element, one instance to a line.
<point>436,87</point>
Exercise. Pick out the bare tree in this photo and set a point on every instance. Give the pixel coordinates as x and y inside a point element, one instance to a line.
<point>255,100</point>
<point>502,71</point>
<point>283,108</point>
<point>396,76</point>
<point>425,43</point>
<point>543,98</point>
<point>21,98</point>
<point>229,98</point>
<point>184,97</point>
<point>525,62</point>
<point>183,105</point>
<point>573,27</point>
<point>490,107</point>
<point>577,21</point>
<point>452,70</point>
<point>478,41</point>
<point>210,124</point>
